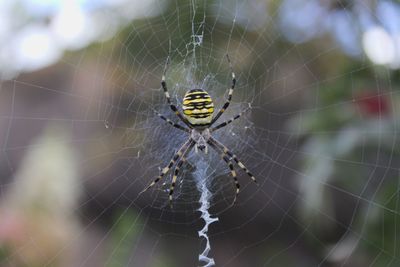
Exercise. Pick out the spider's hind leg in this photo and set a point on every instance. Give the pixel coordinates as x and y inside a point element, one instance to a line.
<point>225,123</point>
<point>176,125</point>
<point>168,97</point>
<point>230,93</point>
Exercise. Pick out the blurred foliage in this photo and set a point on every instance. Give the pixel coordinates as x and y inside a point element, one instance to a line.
<point>36,220</point>
<point>382,230</point>
<point>355,120</point>
<point>124,235</point>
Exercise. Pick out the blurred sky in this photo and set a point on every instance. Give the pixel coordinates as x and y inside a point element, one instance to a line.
<point>35,33</point>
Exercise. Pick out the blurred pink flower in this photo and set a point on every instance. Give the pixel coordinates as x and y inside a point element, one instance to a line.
<point>11,227</point>
<point>372,104</point>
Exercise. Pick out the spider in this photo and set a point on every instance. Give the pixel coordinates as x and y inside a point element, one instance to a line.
<point>198,109</point>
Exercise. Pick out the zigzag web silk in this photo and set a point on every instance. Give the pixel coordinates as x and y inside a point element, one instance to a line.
<point>200,174</point>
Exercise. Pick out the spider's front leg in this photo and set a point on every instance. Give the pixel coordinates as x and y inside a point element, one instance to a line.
<point>220,147</point>
<point>177,169</point>
<point>174,178</point>
<point>234,176</point>
<point>176,158</point>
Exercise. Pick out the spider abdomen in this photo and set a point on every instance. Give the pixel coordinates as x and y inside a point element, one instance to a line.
<point>198,107</point>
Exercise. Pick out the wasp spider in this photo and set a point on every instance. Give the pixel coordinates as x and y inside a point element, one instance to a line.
<point>198,109</point>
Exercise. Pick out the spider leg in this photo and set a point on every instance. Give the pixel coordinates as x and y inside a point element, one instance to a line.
<point>168,97</point>
<point>172,187</point>
<point>234,175</point>
<point>176,158</point>
<point>215,144</point>
<point>221,125</point>
<point>172,123</point>
<point>176,172</point>
<point>230,93</point>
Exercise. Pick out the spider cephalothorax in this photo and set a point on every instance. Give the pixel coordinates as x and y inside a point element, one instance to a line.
<point>200,137</point>
<point>198,110</point>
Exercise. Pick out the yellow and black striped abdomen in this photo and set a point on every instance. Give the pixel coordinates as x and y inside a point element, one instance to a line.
<point>198,107</point>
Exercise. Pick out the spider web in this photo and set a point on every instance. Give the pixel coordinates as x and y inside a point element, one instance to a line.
<point>327,195</point>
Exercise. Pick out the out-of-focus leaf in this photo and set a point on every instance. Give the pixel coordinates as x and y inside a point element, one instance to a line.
<point>38,223</point>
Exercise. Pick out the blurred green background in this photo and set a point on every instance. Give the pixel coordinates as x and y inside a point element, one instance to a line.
<point>79,138</point>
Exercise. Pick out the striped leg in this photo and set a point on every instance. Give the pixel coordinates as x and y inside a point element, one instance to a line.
<point>172,123</point>
<point>176,172</point>
<point>230,93</point>
<point>168,97</point>
<point>226,151</point>
<point>176,158</point>
<point>173,183</point>
<point>219,126</point>
<point>234,176</point>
